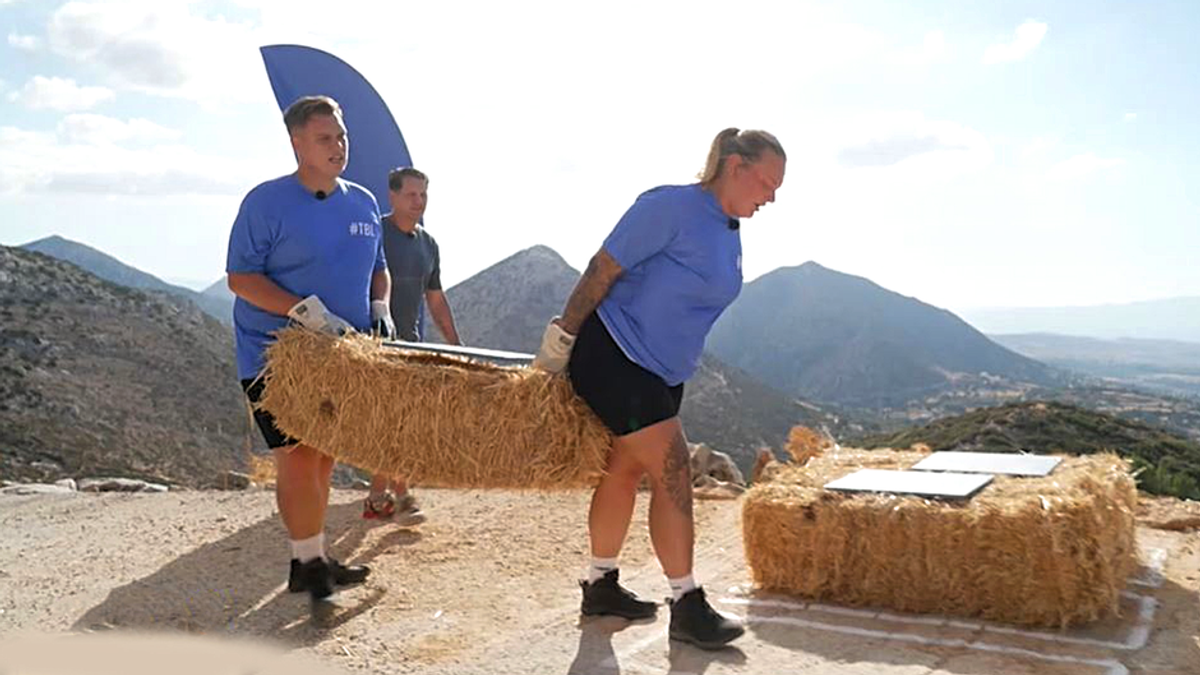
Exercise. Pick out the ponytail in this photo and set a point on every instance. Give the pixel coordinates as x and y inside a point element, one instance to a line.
<point>749,145</point>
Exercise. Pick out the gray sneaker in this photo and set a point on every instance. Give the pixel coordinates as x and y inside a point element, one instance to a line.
<point>408,514</point>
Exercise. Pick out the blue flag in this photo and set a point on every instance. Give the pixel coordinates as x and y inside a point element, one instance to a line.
<point>376,144</point>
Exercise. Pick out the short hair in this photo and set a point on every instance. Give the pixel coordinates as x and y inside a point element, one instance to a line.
<point>305,108</point>
<point>396,177</point>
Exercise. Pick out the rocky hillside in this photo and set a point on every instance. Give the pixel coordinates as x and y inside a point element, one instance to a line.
<point>101,379</point>
<point>218,305</point>
<point>1169,464</point>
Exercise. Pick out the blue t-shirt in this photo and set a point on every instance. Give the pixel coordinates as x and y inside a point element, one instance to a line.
<point>683,267</point>
<point>329,248</point>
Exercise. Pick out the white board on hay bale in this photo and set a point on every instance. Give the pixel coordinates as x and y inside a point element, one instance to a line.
<point>1006,463</point>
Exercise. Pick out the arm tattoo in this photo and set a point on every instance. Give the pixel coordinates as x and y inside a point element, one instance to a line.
<point>677,475</point>
<point>601,272</point>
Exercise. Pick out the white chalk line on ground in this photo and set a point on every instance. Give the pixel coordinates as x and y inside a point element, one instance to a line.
<point>1137,638</point>
<point>1110,666</point>
<point>1153,576</point>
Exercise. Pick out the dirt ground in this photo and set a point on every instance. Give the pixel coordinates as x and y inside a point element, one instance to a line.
<point>193,582</point>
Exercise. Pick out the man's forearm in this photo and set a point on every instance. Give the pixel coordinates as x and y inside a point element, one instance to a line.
<point>261,292</point>
<point>439,308</point>
<point>381,286</point>
<point>601,273</point>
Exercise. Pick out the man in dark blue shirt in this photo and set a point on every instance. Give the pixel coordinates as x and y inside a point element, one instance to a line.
<point>415,266</point>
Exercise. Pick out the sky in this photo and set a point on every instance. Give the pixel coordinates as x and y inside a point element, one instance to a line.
<point>967,154</point>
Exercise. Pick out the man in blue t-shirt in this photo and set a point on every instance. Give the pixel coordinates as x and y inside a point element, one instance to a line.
<point>306,247</point>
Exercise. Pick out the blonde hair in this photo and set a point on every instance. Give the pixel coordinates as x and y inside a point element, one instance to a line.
<point>749,145</point>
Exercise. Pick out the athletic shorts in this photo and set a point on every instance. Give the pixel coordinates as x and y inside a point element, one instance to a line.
<point>266,422</point>
<point>624,395</point>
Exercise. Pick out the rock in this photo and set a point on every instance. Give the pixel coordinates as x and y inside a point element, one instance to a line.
<point>233,480</point>
<point>709,462</point>
<point>764,459</point>
<point>119,485</point>
<point>36,489</point>
<point>68,483</point>
<point>711,488</point>
<point>49,467</point>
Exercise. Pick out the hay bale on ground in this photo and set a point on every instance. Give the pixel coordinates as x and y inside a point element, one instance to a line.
<point>1052,551</point>
<point>438,420</point>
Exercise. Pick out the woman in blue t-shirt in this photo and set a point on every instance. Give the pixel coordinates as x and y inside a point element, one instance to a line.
<point>632,333</point>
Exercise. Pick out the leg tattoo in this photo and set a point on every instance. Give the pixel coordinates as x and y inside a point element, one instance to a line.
<point>677,475</point>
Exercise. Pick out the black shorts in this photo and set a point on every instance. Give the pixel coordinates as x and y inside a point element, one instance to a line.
<point>624,395</point>
<point>266,422</point>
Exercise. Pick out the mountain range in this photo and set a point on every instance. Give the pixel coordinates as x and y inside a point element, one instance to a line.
<point>212,301</point>
<point>802,345</point>
<point>1166,319</point>
<point>1167,366</point>
<point>820,334</point>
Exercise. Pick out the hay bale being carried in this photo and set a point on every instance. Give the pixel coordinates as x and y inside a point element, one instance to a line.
<point>1050,551</point>
<point>439,420</point>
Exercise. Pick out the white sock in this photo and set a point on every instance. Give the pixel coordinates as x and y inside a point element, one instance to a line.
<point>681,586</point>
<point>312,548</point>
<point>600,567</point>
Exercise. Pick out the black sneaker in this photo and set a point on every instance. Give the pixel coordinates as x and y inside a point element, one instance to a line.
<point>606,597</point>
<point>314,576</point>
<point>342,575</point>
<point>693,620</point>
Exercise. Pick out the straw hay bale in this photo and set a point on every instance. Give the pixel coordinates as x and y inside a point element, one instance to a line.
<point>1052,551</point>
<point>437,420</point>
<point>804,444</point>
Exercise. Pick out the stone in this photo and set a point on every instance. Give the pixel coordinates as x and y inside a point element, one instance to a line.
<point>119,485</point>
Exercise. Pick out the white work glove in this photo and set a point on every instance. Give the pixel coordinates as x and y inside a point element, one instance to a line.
<point>381,320</point>
<point>555,351</point>
<point>312,314</point>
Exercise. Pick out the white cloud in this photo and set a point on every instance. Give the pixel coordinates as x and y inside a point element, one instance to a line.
<point>1081,166</point>
<point>1130,116</point>
<point>56,93</point>
<point>91,129</point>
<point>27,43</point>
<point>1027,38</point>
<point>932,50</point>
<point>32,161</point>
<point>913,142</point>
<point>160,48</point>
<point>1038,147</point>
